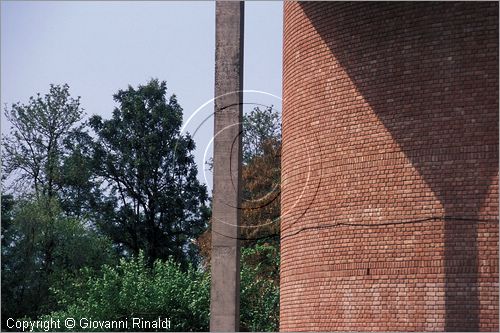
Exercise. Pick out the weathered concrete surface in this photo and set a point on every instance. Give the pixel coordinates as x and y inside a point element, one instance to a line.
<point>225,262</point>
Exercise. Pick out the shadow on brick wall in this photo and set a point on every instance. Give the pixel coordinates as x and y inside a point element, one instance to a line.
<point>436,91</point>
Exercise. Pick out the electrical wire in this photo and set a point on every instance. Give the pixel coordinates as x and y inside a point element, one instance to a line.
<point>366,225</point>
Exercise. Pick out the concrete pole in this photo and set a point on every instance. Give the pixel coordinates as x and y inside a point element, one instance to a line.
<point>225,259</point>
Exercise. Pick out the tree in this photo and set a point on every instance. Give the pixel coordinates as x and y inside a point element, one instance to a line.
<point>33,152</point>
<point>48,152</point>
<point>35,230</point>
<point>7,212</point>
<point>80,193</point>
<point>43,234</point>
<point>261,176</point>
<point>148,168</point>
<point>261,194</point>
<point>27,270</point>
<point>261,127</point>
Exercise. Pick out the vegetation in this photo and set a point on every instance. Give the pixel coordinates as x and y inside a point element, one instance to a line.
<point>105,218</point>
<point>158,205</point>
<point>40,246</point>
<point>133,289</point>
<point>260,297</point>
<point>40,130</point>
<point>261,177</point>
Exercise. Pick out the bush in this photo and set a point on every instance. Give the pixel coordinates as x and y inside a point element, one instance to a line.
<point>260,294</point>
<point>133,290</point>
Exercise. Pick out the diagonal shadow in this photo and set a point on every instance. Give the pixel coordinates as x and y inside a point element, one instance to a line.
<point>436,92</point>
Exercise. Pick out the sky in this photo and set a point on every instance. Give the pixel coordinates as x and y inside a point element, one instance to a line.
<point>100,47</point>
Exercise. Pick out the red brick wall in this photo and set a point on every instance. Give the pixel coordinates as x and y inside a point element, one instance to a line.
<point>390,167</point>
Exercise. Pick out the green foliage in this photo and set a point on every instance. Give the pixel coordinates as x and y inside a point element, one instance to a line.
<point>132,289</point>
<point>7,210</point>
<point>159,205</point>
<point>80,193</point>
<point>261,188</point>
<point>259,299</point>
<point>135,182</point>
<point>33,151</point>
<point>44,236</point>
<point>40,246</point>
<point>260,126</point>
<point>259,291</point>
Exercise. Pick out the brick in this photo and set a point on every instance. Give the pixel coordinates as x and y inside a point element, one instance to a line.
<point>390,114</point>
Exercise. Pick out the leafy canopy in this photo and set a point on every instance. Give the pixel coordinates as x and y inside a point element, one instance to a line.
<point>33,151</point>
<point>148,168</point>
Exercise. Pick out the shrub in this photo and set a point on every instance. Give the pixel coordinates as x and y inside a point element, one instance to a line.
<point>133,290</point>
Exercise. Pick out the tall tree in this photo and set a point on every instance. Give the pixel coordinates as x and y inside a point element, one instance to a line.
<point>80,192</point>
<point>40,242</point>
<point>33,151</point>
<point>261,177</point>
<point>150,173</point>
